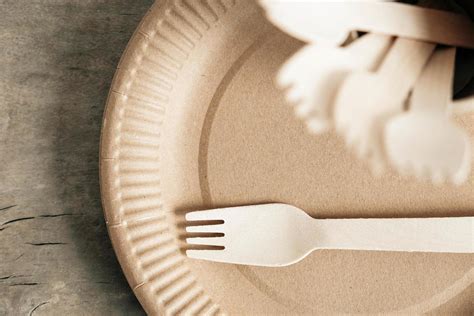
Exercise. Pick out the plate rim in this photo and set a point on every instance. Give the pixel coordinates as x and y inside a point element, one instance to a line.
<point>119,228</point>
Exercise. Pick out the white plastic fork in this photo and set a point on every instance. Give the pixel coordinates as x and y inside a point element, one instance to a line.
<point>276,235</point>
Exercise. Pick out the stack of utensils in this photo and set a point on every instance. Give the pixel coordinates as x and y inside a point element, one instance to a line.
<point>380,74</point>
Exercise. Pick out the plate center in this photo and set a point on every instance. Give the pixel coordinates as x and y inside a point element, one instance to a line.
<point>256,151</point>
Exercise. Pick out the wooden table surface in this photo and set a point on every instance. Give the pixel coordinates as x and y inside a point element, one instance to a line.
<point>57,59</point>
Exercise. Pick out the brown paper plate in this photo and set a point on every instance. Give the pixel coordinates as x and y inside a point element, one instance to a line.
<point>194,121</point>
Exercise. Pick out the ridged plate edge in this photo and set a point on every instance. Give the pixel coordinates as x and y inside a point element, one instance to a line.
<point>129,156</point>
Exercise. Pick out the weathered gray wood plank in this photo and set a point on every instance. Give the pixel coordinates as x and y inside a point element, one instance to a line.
<point>57,59</point>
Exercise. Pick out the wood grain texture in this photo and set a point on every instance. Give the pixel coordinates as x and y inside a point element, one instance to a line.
<point>57,61</point>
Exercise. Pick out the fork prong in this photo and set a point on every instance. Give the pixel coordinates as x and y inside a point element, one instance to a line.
<point>205,229</point>
<point>206,241</point>
<point>208,215</point>
<point>212,255</point>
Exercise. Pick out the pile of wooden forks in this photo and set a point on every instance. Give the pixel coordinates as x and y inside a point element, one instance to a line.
<point>380,74</point>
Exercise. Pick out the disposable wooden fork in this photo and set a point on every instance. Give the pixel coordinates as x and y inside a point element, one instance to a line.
<point>313,75</point>
<point>330,21</point>
<point>425,141</point>
<point>277,235</point>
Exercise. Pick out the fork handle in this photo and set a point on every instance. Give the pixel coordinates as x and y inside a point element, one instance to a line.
<point>448,235</point>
